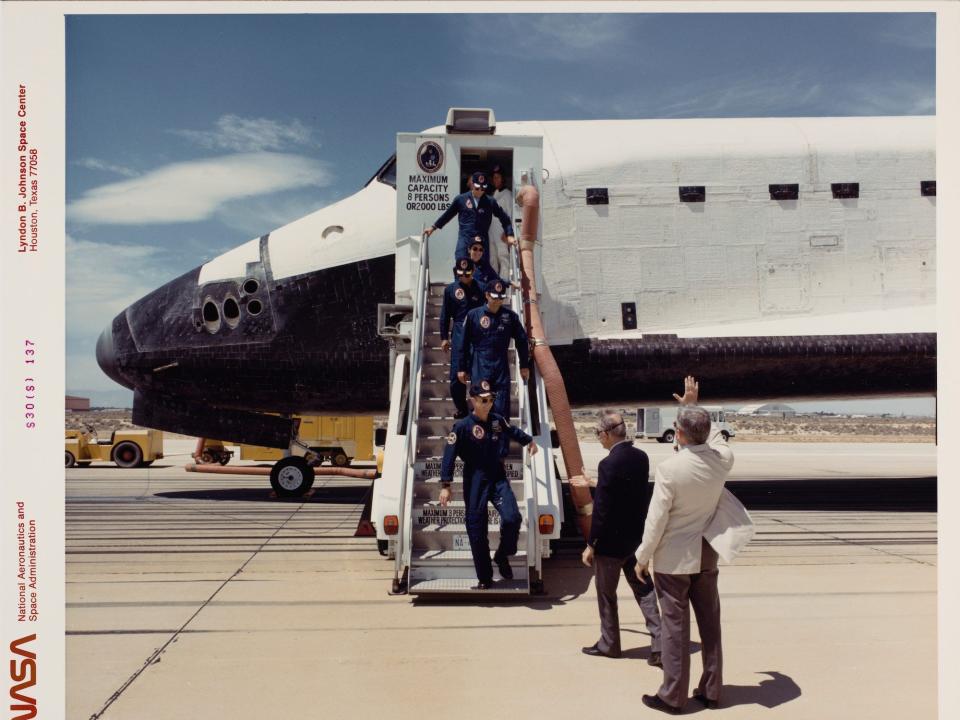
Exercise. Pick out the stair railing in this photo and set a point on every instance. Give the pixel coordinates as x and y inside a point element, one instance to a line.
<point>404,530</point>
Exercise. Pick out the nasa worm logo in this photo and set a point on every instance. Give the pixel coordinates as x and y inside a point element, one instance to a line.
<point>485,322</point>
<point>459,294</point>
<point>485,385</point>
<point>452,439</point>
<point>478,432</point>
<point>430,157</point>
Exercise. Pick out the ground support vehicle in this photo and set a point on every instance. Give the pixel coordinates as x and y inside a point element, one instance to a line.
<point>658,422</point>
<point>339,440</point>
<point>127,448</point>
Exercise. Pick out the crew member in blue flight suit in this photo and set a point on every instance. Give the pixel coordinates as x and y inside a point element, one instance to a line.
<point>487,332</point>
<point>477,440</point>
<point>475,211</point>
<point>483,274</point>
<point>459,297</point>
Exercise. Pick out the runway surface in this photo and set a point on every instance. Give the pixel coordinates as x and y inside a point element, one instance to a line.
<point>200,596</point>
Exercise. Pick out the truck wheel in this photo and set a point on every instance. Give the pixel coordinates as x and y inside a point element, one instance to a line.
<point>127,454</point>
<point>726,435</point>
<point>339,459</point>
<point>291,477</point>
<point>668,436</point>
<point>206,458</point>
<point>224,459</point>
<point>68,459</point>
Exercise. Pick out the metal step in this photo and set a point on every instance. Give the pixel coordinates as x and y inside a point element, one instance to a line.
<point>430,512</point>
<point>462,557</point>
<point>427,469</point>
<point>435,389</point>
<point>430,489</point>
<point>458,565</point>
<point>434,446</point>
<point>454,536</point>
<point>462,587</point>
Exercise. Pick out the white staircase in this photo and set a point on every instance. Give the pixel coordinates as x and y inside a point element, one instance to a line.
<point>427,542</point>
<point>440,558</point>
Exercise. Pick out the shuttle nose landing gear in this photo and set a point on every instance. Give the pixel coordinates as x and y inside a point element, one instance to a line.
<point>291,477</point>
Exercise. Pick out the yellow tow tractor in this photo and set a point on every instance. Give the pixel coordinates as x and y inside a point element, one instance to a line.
<point>126,448</point>
<point>339,440</point>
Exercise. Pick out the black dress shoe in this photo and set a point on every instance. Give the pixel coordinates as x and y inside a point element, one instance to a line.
<point>655,660</point>
<point>595,651</point>
<point>655,703</point>
<point>503,565</point>
<point>705,701</point>
<point>482,586</point>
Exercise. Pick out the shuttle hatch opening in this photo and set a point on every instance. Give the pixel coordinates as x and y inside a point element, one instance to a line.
<point>251,286</point>
<point>254,307</point>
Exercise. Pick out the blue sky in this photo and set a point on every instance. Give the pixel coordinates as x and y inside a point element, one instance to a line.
<point>190,134</point>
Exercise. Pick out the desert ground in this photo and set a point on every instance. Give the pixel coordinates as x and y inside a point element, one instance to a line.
<point>749,428</point>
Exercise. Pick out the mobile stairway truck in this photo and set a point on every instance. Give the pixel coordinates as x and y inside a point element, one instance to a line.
<point>428,543</point>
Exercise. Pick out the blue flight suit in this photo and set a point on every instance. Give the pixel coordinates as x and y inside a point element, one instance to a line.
<point>485,480</point>
<point>486,337</point>
<point>484,274</point>
<point>474,217</point>
<point>458,300</point>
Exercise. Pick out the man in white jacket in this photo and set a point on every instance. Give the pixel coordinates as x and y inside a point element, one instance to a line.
<point>686,491</point>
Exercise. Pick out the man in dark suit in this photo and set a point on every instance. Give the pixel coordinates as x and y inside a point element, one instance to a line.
<point>619,511</point>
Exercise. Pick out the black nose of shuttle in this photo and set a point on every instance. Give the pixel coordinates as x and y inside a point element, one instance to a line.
<point>107,357</point>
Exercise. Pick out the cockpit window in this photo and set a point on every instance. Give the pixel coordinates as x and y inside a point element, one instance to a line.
<point>387,174</point>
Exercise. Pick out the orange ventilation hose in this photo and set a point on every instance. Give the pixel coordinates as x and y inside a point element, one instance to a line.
<point>528,198</point>
<point>260,470</point>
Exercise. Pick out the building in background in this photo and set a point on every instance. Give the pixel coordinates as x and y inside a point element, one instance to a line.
<point>77,404</point>
<point>768,410</point>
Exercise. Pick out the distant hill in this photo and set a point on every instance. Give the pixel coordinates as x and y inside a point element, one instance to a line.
<point>119,398</point>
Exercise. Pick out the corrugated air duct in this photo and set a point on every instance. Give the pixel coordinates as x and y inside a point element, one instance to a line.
<point>528,198</point>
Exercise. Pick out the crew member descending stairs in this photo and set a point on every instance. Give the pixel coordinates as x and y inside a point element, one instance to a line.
<point>441,560</point>
<point>480,440</point>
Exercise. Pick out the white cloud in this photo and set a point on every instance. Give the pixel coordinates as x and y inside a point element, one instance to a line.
<point>579,32</point>
<point>553,36</point>
<point>890,98</point>
<point>259,216</point>
<point>102,279</point>
<point>238,134</point>
<point>96,164</point>
<point>748,97</point>
<point>194,190</point>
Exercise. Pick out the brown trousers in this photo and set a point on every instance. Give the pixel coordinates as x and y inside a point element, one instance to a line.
<point>677,593</point>
<point>608,571</point>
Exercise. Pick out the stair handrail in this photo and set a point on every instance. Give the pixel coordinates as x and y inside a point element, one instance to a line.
<point>404,532</point>
<point>524,414</point>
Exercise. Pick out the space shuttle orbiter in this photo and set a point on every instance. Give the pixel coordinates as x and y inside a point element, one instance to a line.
<point>774,257</point>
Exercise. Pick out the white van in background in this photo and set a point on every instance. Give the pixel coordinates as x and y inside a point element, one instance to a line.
<point>657,422</point>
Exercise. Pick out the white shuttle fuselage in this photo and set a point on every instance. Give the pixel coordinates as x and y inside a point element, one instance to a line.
<point>735,245</point>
